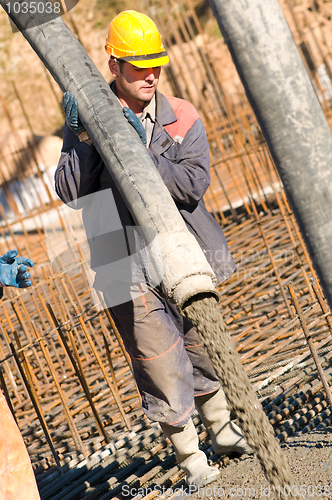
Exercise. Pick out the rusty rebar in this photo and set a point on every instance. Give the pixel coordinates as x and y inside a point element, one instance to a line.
<point>37,408</point>
<point>310,344</point>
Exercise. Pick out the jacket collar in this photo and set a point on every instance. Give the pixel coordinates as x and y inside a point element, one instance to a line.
<point>165,114</point>
<point>164,111</point>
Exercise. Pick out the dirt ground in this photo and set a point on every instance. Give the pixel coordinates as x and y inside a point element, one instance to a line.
<point>310,460</point>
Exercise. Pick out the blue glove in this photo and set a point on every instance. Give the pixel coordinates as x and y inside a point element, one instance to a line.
<point>134,122</point>
<point>13,271</point>
<point>70,107</point>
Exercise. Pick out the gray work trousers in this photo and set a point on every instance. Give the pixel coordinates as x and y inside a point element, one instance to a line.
<point>169,363</point>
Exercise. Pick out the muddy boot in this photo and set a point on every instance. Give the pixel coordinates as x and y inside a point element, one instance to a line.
<point>226,436</point>
<point>190,458</point>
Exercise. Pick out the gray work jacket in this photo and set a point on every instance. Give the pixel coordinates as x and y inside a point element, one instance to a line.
<point>180,151</point>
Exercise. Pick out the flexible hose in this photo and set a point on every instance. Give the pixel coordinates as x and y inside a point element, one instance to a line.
<point>177,256</point>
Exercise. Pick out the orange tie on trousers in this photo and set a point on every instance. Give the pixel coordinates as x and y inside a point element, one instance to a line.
<point>17,479</point>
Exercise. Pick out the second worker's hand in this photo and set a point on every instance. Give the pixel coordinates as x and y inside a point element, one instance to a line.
<point>135,123</point>
<point>14,270</point>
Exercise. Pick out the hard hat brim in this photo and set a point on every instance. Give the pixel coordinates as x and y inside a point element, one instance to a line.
<point>150,63</point>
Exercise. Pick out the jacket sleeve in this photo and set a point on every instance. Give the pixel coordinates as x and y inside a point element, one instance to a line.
<point>184,167</point>
<point>78,170</point>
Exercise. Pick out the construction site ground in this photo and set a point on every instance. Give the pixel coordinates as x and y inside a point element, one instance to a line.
<point>141,462</point>
<point>63,368</point>
<point>309,457</point>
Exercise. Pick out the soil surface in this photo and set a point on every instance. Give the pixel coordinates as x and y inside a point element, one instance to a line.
<point>310,460</point>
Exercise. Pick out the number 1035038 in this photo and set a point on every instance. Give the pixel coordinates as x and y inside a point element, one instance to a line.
<point>34,7</point>
<point>308,491</point>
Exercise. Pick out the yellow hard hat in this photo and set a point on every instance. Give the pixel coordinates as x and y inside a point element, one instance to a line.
<point>133,37</point>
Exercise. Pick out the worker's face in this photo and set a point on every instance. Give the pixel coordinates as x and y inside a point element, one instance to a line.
<point>138,84</point>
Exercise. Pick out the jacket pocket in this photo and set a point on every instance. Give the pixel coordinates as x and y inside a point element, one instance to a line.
<point>163,144</point>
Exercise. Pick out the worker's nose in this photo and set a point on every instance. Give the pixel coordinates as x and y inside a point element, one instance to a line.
<point>150,74</point>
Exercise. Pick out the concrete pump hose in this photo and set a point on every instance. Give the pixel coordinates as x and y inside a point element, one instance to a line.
<point>185,270</point>
<point>290,116</point>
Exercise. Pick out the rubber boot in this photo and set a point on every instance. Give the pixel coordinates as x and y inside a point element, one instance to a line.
<point>226,436</point>
<point>188,455</point>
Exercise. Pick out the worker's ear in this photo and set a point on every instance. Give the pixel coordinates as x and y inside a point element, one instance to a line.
<point>114,67</point>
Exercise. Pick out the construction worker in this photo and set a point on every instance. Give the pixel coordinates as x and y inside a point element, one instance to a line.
<point>17,479</point>
<point>173,373</point>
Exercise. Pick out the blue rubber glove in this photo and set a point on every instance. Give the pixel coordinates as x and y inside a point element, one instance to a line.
<point>135,122</point>
<point>13,270</point>
<point>70,107</point>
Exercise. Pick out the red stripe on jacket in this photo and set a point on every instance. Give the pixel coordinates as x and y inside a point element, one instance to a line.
<point>186,116</point>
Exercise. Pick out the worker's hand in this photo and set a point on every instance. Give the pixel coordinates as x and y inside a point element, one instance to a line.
<point>134,122</point>
<point>70,107</point>
<point>14,270</point>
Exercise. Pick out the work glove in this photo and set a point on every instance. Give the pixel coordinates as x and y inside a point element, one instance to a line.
<point>135,122</point>
<point>13,270</point>
<point>70,107</point>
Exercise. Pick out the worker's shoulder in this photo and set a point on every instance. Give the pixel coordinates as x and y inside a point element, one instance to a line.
<point>183,109</point>
<point>186,115</point>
